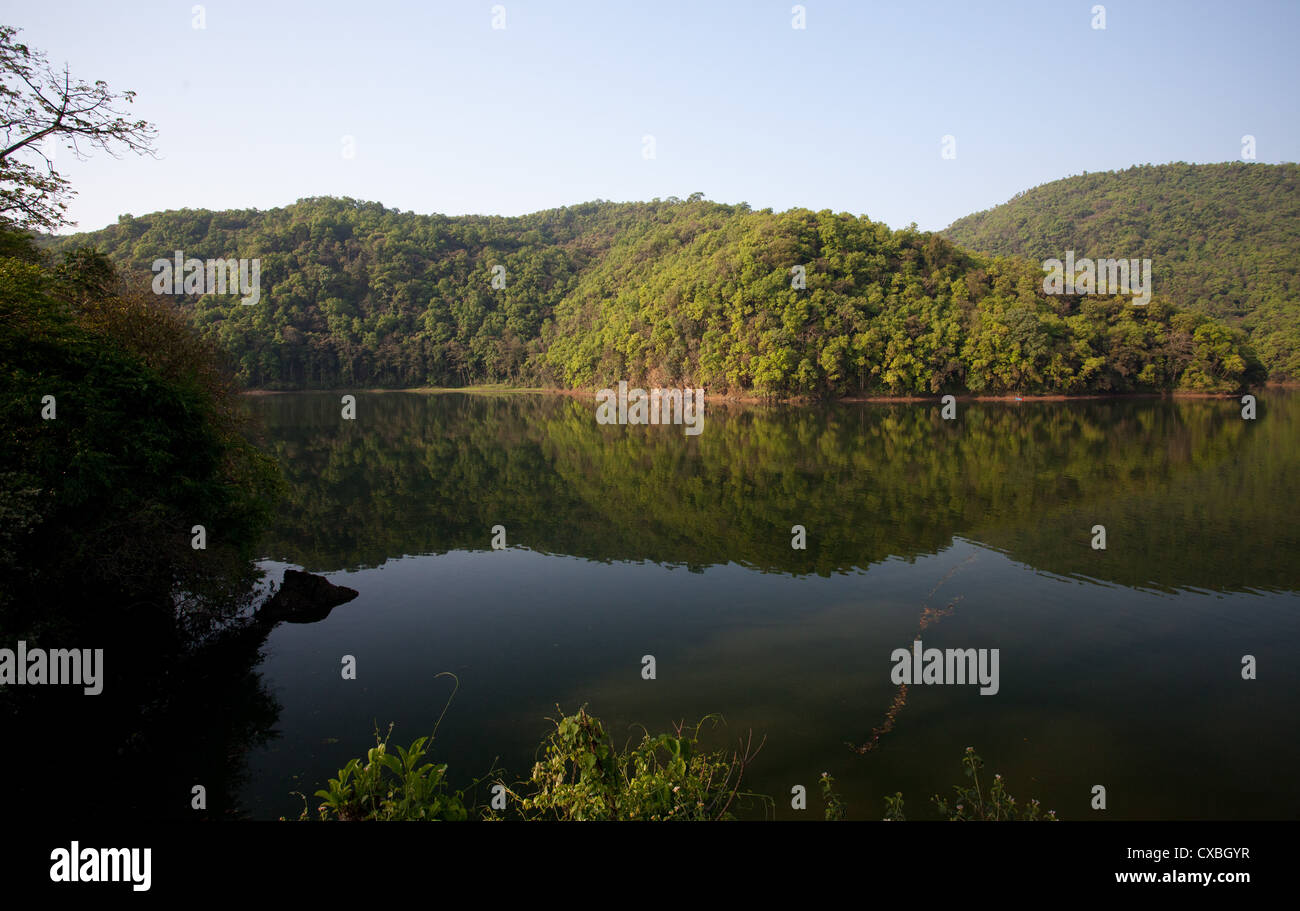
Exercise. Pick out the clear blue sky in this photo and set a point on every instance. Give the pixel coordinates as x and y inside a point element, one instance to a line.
<point>450,115</point>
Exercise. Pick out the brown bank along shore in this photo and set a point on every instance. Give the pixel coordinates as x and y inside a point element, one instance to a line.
<point>800,400</point>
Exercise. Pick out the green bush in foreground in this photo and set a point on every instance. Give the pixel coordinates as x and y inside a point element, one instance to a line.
<point>665,777</point>
<point>391,787</point>
<point>971,803</point>
<point>583,776</point>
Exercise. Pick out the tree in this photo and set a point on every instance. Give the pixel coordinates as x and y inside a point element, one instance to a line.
<point>39,106</point>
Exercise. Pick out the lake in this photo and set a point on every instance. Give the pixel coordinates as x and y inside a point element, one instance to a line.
<point>1119,667</point>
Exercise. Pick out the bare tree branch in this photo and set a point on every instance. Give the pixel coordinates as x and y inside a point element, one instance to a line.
<point>40,105</point>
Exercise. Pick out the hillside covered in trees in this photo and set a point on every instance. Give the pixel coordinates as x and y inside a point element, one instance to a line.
<point>674,292</point>
<point>1224,239</point>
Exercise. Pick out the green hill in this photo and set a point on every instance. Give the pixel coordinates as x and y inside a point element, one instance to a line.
<point>674,292</point>
<point>1224,239</point>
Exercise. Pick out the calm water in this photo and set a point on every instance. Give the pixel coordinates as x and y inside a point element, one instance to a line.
<point>1119,667</point>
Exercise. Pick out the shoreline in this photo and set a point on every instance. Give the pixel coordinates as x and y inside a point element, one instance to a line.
<point>909,399</point>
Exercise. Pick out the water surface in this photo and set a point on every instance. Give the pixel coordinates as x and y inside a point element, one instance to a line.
<point>1119,667</point>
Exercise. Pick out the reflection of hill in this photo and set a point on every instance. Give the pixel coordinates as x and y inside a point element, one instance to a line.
<point>1191,494</point>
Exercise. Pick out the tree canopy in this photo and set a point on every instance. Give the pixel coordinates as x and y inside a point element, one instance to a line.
<point>41,107</point>
<point>673,292</point>
<point>1224,239</point>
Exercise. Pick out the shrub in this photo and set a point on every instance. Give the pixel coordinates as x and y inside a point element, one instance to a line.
<point>972,803</point>
<point>665,777</point>
<point>391,787</point>
<point>582,777</point>
<point>149,440</point>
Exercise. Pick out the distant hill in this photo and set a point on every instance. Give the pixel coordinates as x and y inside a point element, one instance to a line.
<point>1224,239</point>
<point>672,292</point>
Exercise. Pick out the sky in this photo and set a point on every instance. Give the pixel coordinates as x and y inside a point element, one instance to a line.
<point>442,112</point>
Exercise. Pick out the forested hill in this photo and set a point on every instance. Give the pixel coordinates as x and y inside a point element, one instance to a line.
<point>1224,239</point>
<point>672,292</point>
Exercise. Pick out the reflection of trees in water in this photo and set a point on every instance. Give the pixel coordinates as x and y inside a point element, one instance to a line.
<point>1181,485</point>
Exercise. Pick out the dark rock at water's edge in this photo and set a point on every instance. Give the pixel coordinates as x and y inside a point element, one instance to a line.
<point>304,598</point>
